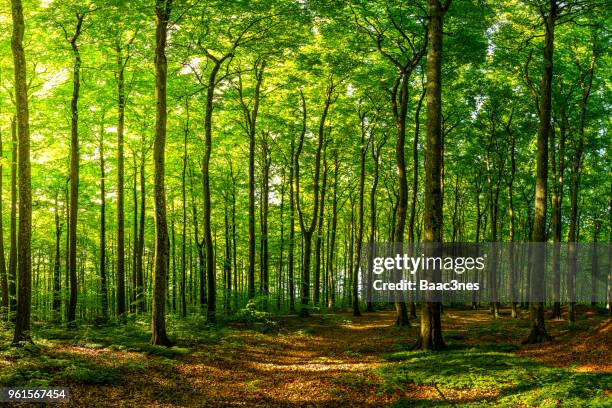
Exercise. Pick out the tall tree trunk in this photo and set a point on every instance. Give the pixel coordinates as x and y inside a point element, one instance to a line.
<point>24,267</point>
<point>538,329</point>
<point>400,109</point>
<point>512,228</point>
<point>4,306</point>
<point>290,256</point>
<point>307,231</point>
<point>74,169</point>
<point>208,244</point>
<point>134,297</point>
<point>376,149</point>
<point>57,295</point>
<point>200,248</point>
<point>103,288</point>
<point>12,271</point>
<point>558,168</point>
<point>265,189</point>
<point>159,336</point>
<point>184,208</point>
<point>595,262</point>
<point>120,182</point>
<point>332,240</point>
<point>319,237</point>
<point>250,116</point>
<point>281,260</point>
<point>359,238</point>
<point>430,336</point>
<point>140,300</point>
<point>586,82</point>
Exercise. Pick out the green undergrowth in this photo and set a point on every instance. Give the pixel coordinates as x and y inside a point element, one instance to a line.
<point>53,360</point>
<point>495,377</point>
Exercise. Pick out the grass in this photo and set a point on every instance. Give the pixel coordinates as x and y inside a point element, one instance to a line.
<point>480,368</point>
<point>512,380</point>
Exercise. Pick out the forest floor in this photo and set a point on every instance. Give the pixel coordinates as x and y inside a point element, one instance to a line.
<point>326,360</point>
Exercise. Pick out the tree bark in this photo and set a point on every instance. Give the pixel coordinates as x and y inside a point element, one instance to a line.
<point>103,287</point>
<point>120,183</point>
<point>24,266</point>
<point>4,306</point>
<point>74,170</point>
<point>290,256</point>
<point>307,231</point>
<point>159,336</point>
<point>250,116</point>
<point>430,336</point>
<point>12,271</point>
<point>538,329</point>
<point>586,82</point>
<point>558,168</point>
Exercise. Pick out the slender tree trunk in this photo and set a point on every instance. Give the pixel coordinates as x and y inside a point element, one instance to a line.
<point>332,239</point>
<point>430,336</point>
<point>120,183</point>
<point>12,271</point>
<point>103,287</point>
<point>359,237</point>
<point>586,82</point>
<point>159,336</point>
<point>281,260</point>
<point>512,228</point>
<point>290,256</point>
<point>319,238</point>
<point>184,221</point>
<point>265,190</point>
<point>4,306</point>
<point>595,262</point>
<point>558,168</point>
<point>74,170</point>
<point>308,231</point>
<point>140,296</point>
<point>57,295</point>
<point>24,267</point>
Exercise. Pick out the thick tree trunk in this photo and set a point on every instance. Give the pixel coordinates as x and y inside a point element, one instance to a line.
<point>430,336</point>
<point>159,336</point>
<point>538,329</point>
<point>24,267</point>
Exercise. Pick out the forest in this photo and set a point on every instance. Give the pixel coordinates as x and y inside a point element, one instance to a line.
<point>193,193</point>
